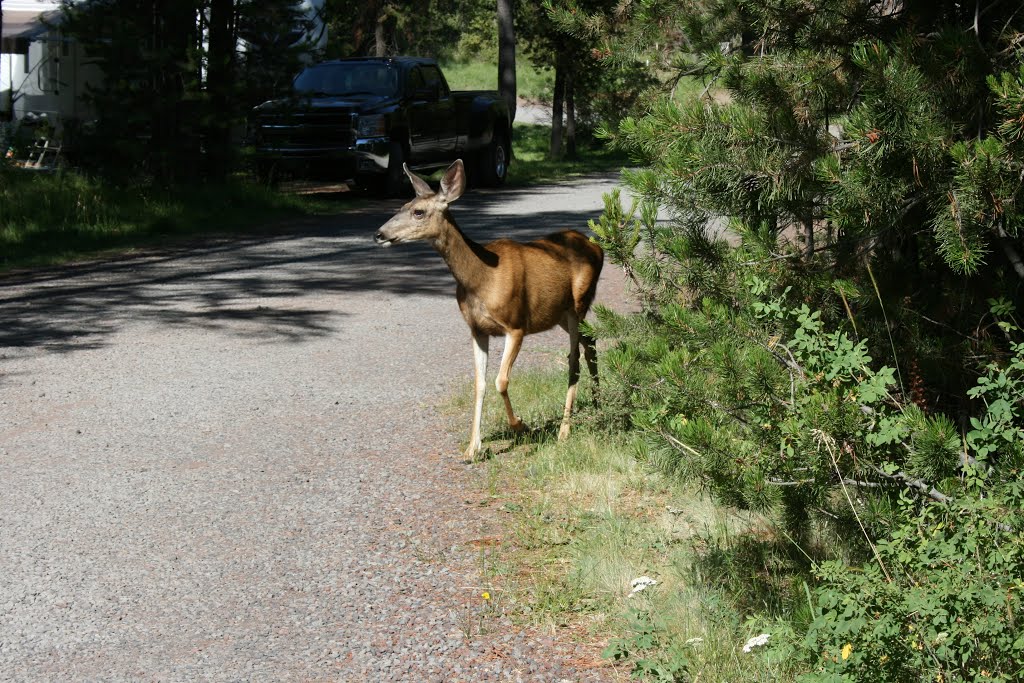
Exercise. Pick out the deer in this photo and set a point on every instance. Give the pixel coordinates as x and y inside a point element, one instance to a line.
<point>505,288</point>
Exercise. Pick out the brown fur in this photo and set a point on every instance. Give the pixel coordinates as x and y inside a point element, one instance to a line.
<point>506,288</point>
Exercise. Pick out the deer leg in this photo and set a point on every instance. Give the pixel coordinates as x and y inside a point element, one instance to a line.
<point>513,342</point>
<point>571,324</point>
<point>480,344</point>
<point>590,353</point>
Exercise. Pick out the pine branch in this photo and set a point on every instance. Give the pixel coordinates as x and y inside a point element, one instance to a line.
<point>679,445</point>
<point>914,483</point>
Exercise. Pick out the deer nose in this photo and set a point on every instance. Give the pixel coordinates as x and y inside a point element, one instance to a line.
<point>382,239</point>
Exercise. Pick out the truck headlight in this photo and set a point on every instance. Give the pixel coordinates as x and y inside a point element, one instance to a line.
<point>374,125</point>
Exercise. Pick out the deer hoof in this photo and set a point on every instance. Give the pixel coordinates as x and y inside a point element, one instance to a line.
<point>519,427</point>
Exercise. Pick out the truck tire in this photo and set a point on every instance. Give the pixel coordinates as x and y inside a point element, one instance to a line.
<point>492,166</point>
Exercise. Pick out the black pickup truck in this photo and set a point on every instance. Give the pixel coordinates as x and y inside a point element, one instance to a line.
<point>362,118</point>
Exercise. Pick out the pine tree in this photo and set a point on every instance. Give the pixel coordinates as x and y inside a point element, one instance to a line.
<point>585,97</point>
<point>844,201</point>
<point>148,52</point>
<point>831,329</point>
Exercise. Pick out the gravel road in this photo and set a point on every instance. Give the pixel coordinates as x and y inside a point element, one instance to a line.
<point>225,462</point>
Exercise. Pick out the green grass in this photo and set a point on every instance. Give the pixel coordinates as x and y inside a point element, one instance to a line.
<point>532,165</point>
<point>587,516</point>
<point>47,219</point>
<point>532,84</point>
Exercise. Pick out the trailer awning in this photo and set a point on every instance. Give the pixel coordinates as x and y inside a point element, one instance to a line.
<point>22,27</point>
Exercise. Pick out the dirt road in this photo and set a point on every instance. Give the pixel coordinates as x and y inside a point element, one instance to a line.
<point>226,462</point>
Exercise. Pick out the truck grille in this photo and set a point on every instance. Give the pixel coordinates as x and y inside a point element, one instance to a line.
<point>301,129</point>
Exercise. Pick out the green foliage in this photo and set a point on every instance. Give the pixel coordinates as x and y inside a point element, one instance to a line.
<point>274,52</point>
<point>999,432</point>
<point>941,598</point>
<point>940,604</point>
<point>603,90</point>
<point>459,30</point>
<point>651,655</point>
<point>846,155</point>
<point>618,231</point>
<point>814,326</point>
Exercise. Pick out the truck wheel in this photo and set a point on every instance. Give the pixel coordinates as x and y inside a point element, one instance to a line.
<point>395,182</point>
<point>493,164</point>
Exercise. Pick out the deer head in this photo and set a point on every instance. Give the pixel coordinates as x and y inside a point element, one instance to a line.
<point>424,218</point>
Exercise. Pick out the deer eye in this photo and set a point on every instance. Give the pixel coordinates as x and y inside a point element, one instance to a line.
<point>419,213</point>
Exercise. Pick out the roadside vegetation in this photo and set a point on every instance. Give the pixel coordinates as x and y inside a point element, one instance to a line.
<point>827,374</point>
<point>604,548</point>
<point>49,219</point>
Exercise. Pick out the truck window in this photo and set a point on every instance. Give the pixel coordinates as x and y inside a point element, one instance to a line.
<point>432,77</point>
<point>414,82</point>
<point>355,78</point>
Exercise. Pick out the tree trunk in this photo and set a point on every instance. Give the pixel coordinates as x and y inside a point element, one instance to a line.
<point>174,144</point>
<point>507,56</point>
<point>556,108</point>
<point>808,222</point>
<point>221,58</point>
<point>10,99</point>
<point>570,113</point>
<point>380,46</point>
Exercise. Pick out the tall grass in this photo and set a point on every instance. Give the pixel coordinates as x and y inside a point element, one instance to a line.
<point>587,516</point>
<point>51,218</point>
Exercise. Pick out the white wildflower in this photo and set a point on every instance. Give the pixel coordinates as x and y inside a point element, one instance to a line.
<point>756,641</point>
<point>640,583</point>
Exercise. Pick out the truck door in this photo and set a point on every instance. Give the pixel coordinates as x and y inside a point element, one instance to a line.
<point>444,119</point>
<point>422,133</point>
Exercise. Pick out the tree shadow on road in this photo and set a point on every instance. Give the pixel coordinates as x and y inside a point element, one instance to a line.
<point>277,284</point>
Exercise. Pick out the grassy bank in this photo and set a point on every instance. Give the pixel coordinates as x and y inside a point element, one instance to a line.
<point>586,518</point>
<point>53,218</point>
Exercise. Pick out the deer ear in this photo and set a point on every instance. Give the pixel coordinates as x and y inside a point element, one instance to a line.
<point>453,184</point>
<point>418,184</point>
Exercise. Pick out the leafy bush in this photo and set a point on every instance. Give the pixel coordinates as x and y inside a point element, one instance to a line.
<point>940,603</point>
<point>652,655</point>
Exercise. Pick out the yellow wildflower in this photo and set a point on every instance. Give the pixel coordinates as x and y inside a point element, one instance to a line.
<point>847,649</point>
<point>485,595</point>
